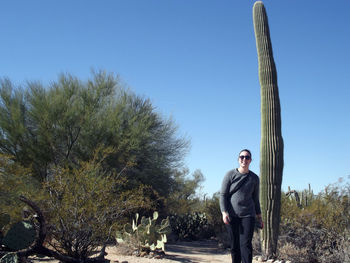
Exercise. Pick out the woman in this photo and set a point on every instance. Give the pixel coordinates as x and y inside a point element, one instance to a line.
<point>240,207</point>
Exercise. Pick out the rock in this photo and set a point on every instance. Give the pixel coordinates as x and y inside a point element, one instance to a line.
<point>261,259</point>
<point>143,254</point>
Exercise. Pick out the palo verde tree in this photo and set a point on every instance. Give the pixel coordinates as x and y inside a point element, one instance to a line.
<point>184,198</point>
<point>99,152</point>
<point>271,151</point>
<point>44,127</point>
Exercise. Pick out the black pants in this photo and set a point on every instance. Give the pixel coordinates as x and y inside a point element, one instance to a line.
<point>241,232</point>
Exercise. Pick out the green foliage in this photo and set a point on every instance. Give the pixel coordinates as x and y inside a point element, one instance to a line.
<point>328,209</point>
<point>322,226</point>
<point>15,180</point>
<point>82,204</point>
<point>271,152</point>
<point>45,127</point>
<point>213,212</point>
<point>89,151</point>
<point>146,235</point>
<point>193,217</point>
<point>303,198</point>
<point>4,221</point>
<point>191,226</point>
<point>184,196</point>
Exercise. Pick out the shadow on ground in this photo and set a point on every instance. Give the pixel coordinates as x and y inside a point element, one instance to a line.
<point>196,252</point>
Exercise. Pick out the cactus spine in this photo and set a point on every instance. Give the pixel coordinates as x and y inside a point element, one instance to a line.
<point>271,148</point>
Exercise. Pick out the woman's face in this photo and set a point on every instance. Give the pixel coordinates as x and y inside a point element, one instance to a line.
<point>244,159</point>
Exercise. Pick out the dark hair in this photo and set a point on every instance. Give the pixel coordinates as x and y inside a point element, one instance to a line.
<point>245,150</point>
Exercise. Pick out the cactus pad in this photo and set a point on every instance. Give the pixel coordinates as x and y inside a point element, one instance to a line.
<point>21,235</point>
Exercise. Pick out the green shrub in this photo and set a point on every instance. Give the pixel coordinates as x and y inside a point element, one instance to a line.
<point>213,213</point>
<point>81,207</point>
<point>320,225</point>
<point>15,180</point>
<point>85,204</point>
<point>191,226</point>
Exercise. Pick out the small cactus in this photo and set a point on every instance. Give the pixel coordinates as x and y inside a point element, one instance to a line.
<point>147,234</point>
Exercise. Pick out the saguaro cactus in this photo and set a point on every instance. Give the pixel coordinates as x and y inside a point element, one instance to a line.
<point>271,148</point>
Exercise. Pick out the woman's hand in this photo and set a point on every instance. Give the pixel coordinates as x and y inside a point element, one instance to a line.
<point>225,218</point>
<point>258,217</point>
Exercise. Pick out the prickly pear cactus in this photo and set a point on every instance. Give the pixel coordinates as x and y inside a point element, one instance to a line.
<point>148,234</point>
<point>21,235</point>
<point>271,148</point>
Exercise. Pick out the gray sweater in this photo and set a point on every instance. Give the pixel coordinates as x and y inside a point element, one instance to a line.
<point>245,201</point>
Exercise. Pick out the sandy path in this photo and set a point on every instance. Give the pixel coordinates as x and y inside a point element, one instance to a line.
<point>186,252</point>
<point>198,251</point>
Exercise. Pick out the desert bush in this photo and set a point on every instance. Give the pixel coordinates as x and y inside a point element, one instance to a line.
<point>85,205</point>
<point>193,217</point>
<point>320,244</point>
<point>16,180</point>
<point>213,213</point>
<point>81,207</point>
<point>256,243</point>
<point>320,227</point>
<point>343,250</point>
<point>293,253</point>
<point>191,226</point>
<point>186,210</point>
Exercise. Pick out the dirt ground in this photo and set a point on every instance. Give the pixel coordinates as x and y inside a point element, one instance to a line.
<point>186,252</point>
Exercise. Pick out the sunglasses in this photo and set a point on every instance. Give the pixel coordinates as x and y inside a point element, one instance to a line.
<point>247,157</point>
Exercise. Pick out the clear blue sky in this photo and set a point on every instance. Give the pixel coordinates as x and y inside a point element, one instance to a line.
<point>196,60</point>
